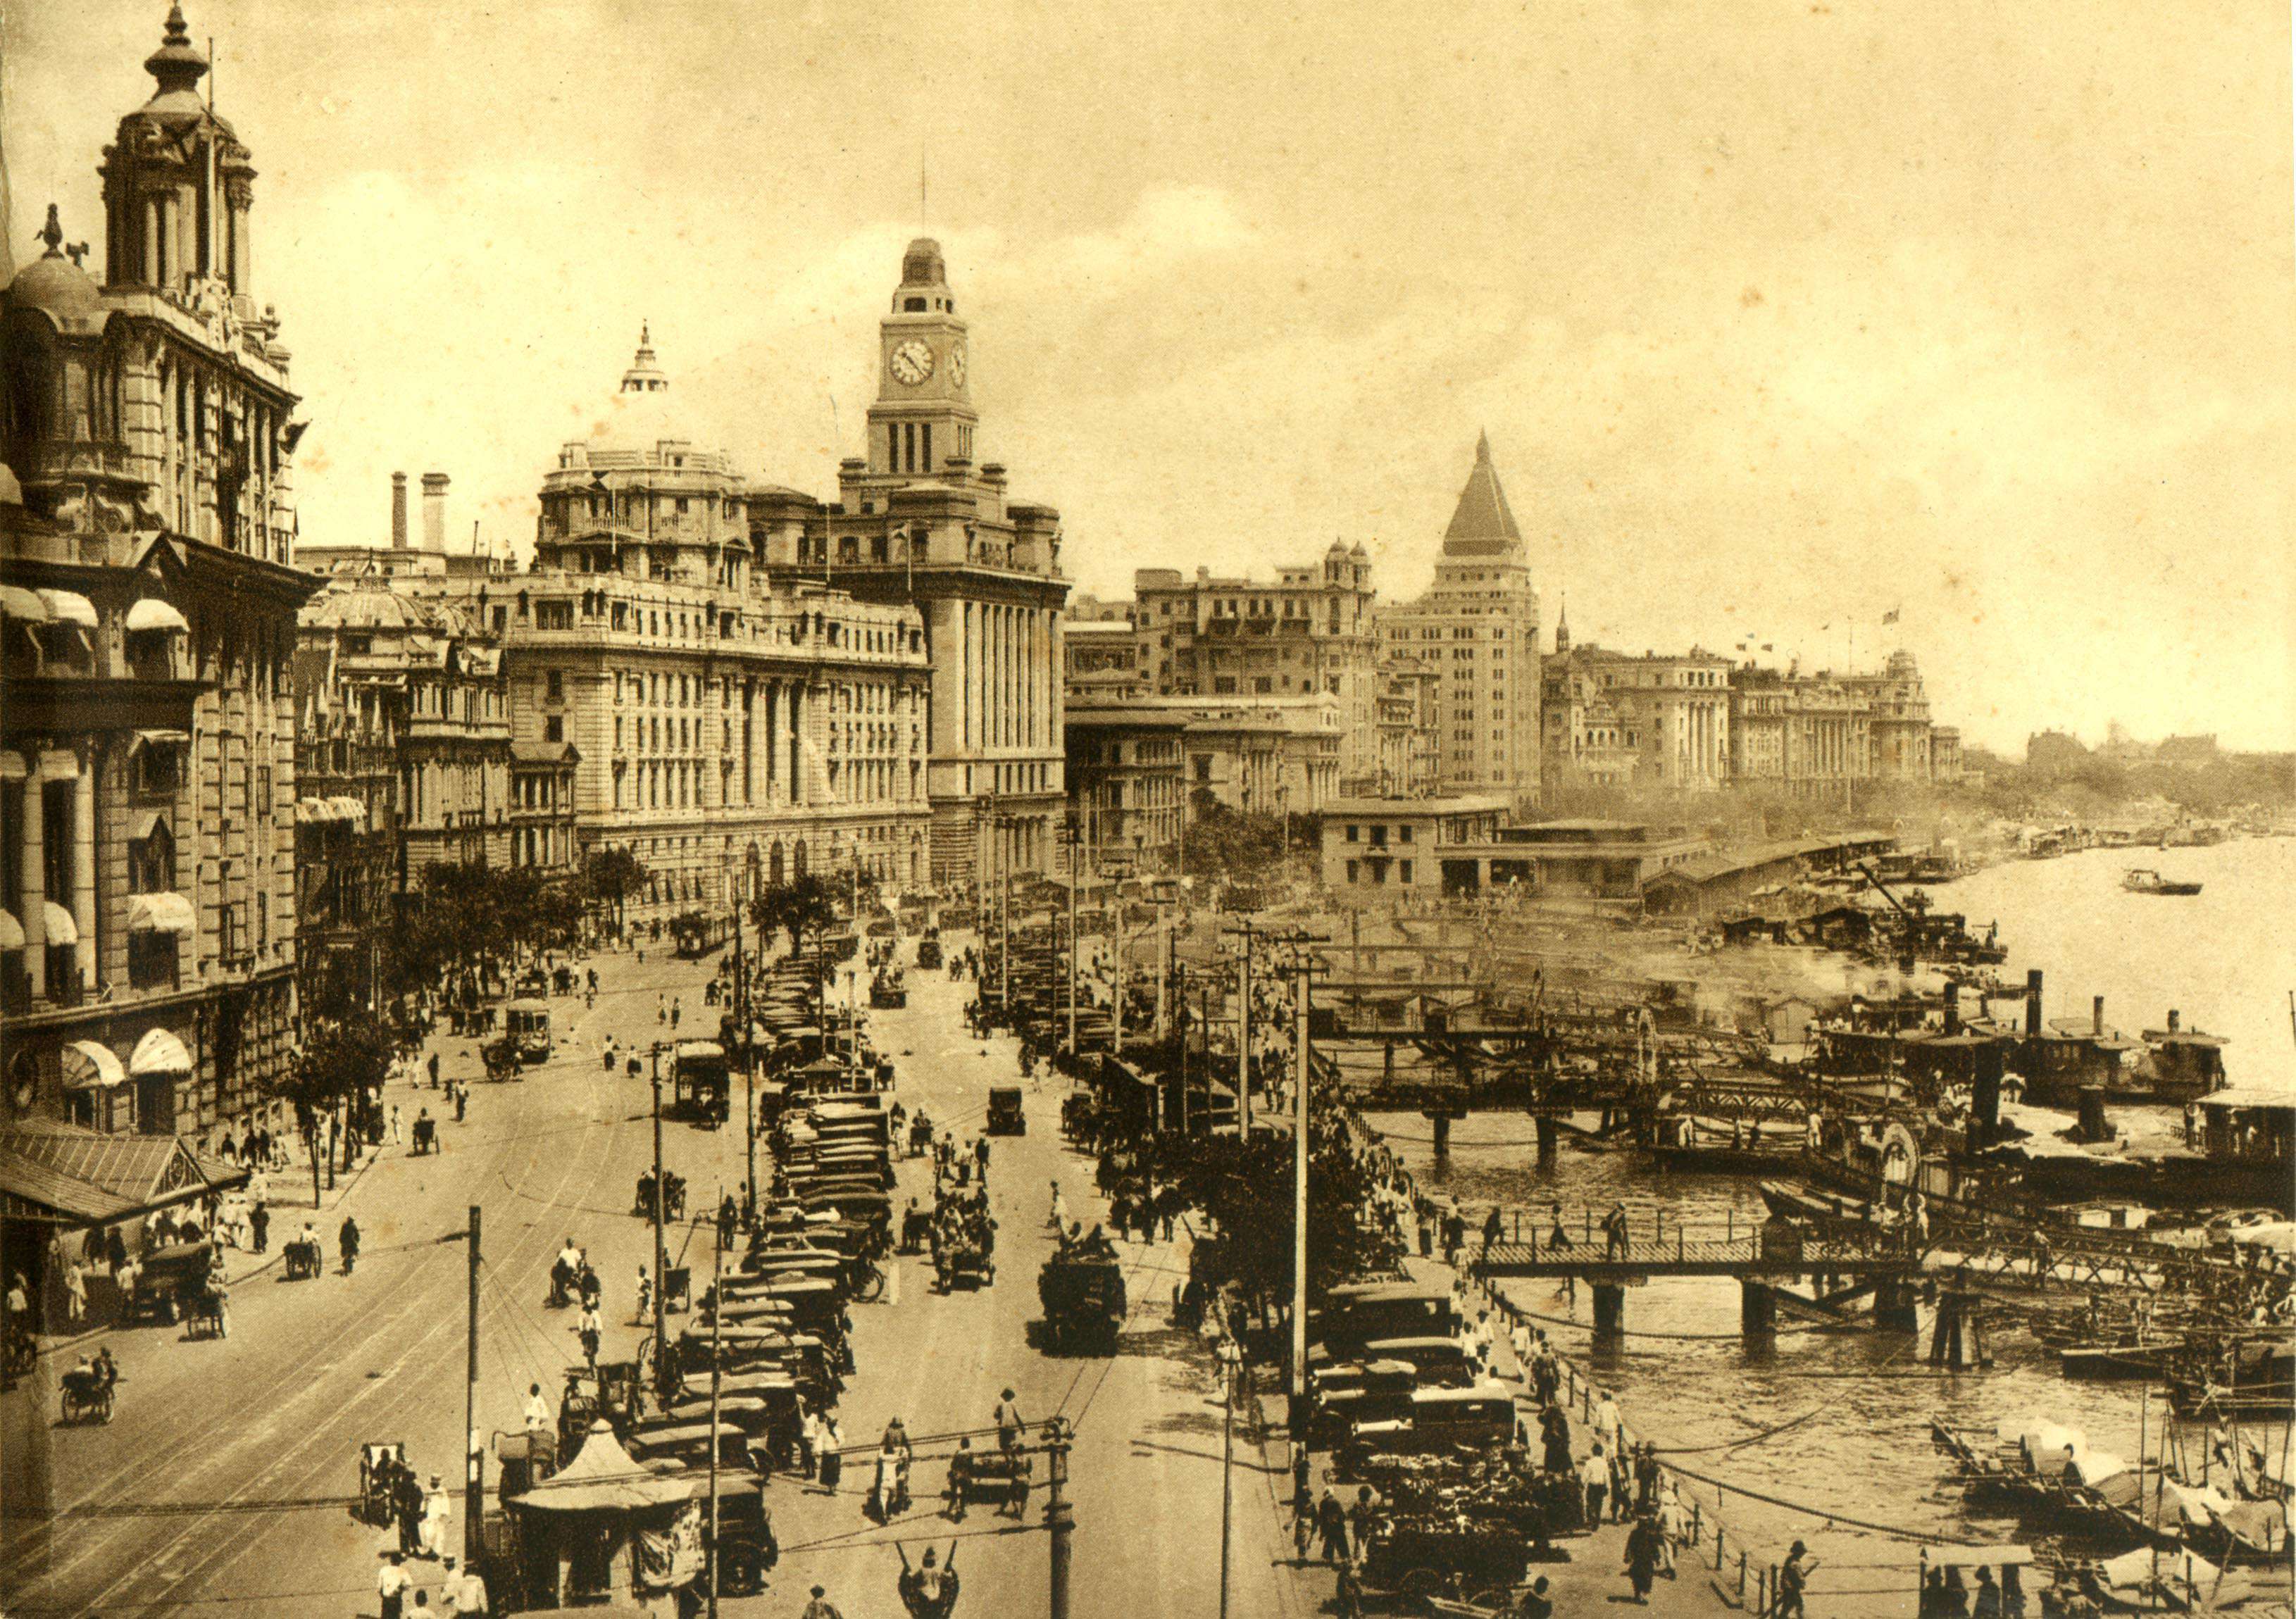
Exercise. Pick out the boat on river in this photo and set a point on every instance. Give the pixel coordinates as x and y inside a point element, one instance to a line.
<point>2141,880</point>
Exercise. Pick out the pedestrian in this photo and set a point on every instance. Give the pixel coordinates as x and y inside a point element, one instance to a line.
<point>1059,1217</point>
<point>396,1138</point>
<point>1332,1525</point>
<point>471,1595</point>
<point>434,1070</point>
<point>676,1010</point>
<point>1608,1420</point>
<point>1557,1236</point>
<point>1671,1528</point>
<point>1492,1227</point>
<point>1595,1475</point>
<point>1642,1556</point>
<point>1010,1428</point>
<point>821,1606</point>
<point>461,1099</point>
<point>1646,1477</point>
<point>1793,1580</point>
<point>390,1583</point>
<point>808,1439</point>
<point>959,1478</point>
<point>832,1459</point>
<point>438,1514</point>
<point>537,1409</point>
<point>1554,1435</point>
<point>1614,1233</point>
<point>75,1294</point>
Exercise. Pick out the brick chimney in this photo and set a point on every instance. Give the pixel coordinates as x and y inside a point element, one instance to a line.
<point>434,512</point>
<point>398,510</point>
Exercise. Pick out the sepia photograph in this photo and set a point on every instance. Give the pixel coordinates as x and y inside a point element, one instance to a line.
<point>1134,811</point>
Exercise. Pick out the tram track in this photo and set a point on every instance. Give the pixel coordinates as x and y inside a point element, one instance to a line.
<point>283,1393</point>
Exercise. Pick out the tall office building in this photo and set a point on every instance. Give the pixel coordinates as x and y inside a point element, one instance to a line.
<point>1478,630</point>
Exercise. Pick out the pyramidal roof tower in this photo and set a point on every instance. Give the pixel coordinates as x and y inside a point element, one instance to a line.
<point>1482,524</point>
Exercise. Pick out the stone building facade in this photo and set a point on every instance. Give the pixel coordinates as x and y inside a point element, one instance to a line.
<point>919,526</point>
<point>1477,628</point>
<point>147,629</point>
<point>1311,632</point>
<point>726,729</point>
<point>1617,719</point>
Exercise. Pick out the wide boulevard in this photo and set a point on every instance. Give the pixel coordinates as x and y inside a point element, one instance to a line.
<point>223,1483</point>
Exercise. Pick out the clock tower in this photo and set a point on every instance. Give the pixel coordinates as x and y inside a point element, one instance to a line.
<point>923,422</point>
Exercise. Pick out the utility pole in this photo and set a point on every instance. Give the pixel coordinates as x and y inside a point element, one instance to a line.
<point>1243,1042</point>
<point>1231,1363</point>
<point>660,1237</point>
<point>474,1461</point>
<point>1298,1419</point>
<point>1073,874</point>
<point>749,1047</point>
<point>1060,1517</point>
<point>717,1379</point>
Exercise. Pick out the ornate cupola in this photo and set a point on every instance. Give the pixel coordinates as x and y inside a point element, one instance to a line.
<point>177,184</point>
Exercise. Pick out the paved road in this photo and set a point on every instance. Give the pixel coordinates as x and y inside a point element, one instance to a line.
<point>220,1485</point>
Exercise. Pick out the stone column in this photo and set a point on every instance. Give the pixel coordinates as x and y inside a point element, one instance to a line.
<point>84,869</point>
<point>33,886</point>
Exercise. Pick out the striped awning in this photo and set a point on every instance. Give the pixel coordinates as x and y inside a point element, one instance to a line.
<point>88,1066</point>
<point>159,1052</point>
<point>158,913</point>
<point>69,607</point>
<point>57,923</point>
<point>153,614</point>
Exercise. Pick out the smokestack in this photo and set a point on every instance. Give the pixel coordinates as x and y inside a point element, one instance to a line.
<point>398,510</point>
<point>1953,1006</point>
<point>2096,1015</point>
<point>2172,1021</point>
<point>2033,1004</point>
<point>434,512</point>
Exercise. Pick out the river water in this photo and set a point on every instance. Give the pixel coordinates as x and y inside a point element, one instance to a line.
<point>1860,1403</point>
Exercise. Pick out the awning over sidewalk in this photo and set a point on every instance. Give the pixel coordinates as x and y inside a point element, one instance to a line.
<point>66,1175</point>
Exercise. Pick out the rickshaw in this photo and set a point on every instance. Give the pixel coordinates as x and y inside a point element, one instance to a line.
<point>379,1466</point>
<point>526,1023</point>
<point>522,1460</point>
<point>988,1476</point>
<point>87,1394</point>
<point>303,1259</point>
<point>673,1196</point>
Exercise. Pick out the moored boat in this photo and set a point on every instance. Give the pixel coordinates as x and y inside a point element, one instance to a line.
<point>2141,880</point>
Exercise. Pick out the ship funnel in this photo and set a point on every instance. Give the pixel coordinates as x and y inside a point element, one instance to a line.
<point>2097,1016</point>
<point>2033,1004</point>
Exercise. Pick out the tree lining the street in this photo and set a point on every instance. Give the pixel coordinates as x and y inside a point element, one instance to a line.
<point>478,919</point>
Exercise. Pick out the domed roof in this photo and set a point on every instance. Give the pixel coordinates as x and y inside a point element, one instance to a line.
<point>640,415</point>
<point>57,287</point>
<point>366,604</point>
<point>178,67</point>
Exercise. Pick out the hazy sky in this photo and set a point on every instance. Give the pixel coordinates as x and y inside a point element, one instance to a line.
<point>1780,317</point>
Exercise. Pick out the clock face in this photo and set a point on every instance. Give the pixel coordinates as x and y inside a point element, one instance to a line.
<point>913,362</point>
<point>956,365</point>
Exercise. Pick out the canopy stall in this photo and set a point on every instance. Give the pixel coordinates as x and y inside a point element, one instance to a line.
<point>606,1527</point>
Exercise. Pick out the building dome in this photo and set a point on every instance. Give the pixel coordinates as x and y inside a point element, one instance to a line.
<point>640,415</point>
<point>366,604</point>
<point>57,287</point>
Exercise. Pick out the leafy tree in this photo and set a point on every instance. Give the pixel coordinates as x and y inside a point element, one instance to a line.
<point>610,876</point>
<point>801,907</point>
<point>342,1058</point>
